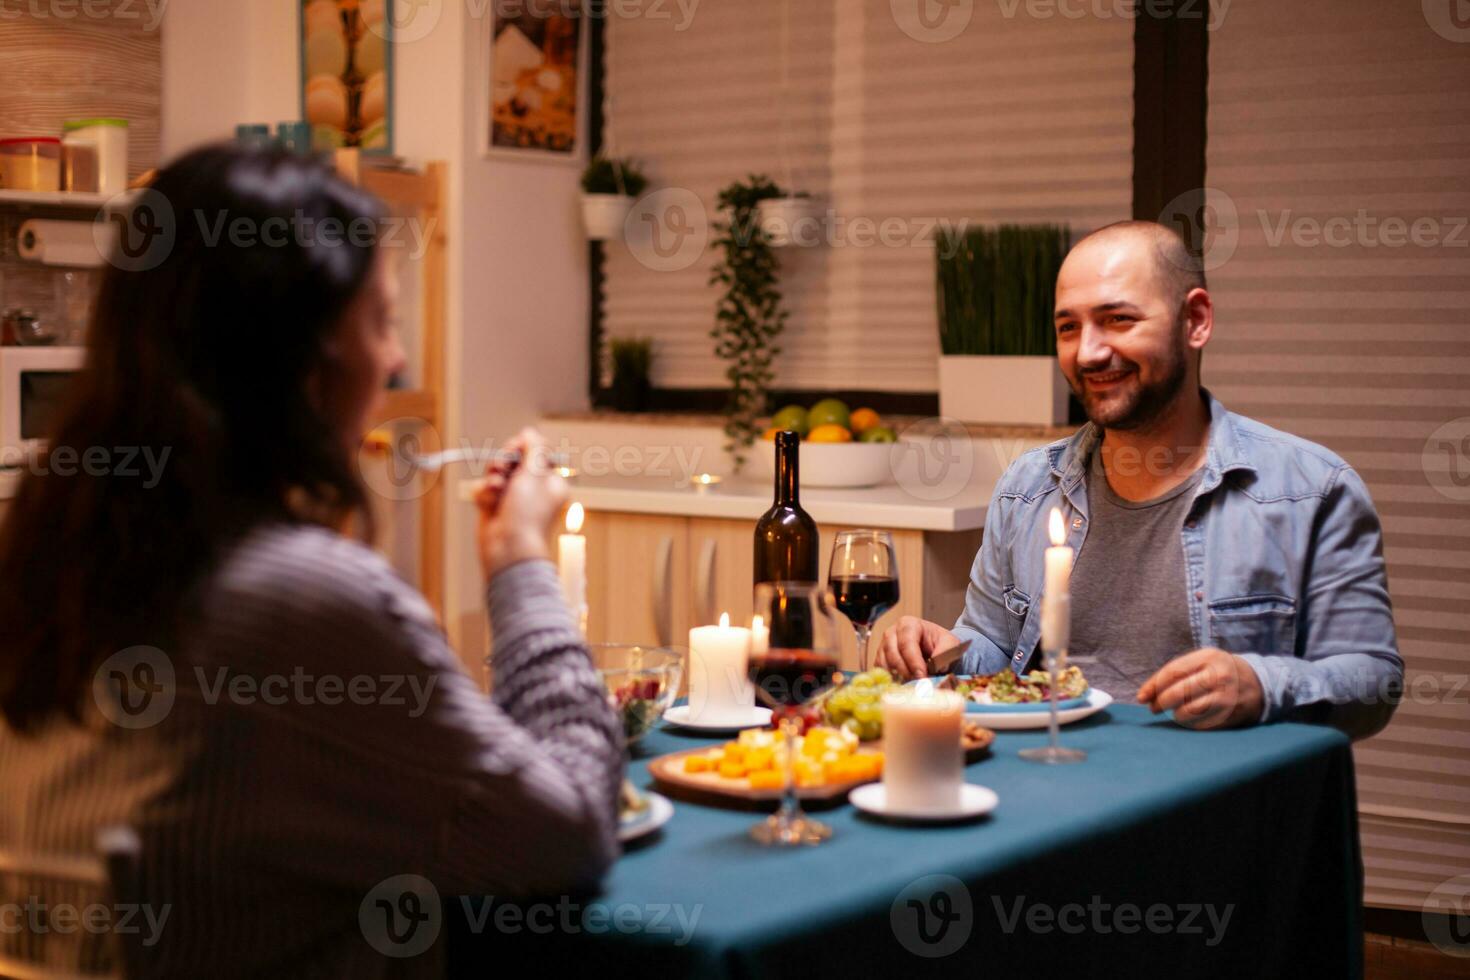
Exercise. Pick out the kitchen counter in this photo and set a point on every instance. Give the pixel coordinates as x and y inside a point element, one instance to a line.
<point>746,499</point>
<point>943,487</point>
<point>942,481</point>
<point>911,425</point>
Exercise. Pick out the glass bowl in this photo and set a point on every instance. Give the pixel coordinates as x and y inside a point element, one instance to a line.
<point>642,682</point>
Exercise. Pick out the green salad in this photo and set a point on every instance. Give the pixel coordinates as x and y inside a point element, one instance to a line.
<point>1006,687</point>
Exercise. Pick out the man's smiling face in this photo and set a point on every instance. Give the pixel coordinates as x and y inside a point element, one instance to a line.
<point>1120,331</point>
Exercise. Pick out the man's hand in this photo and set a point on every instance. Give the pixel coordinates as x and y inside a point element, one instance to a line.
<point>907,647</point>
<point>1208,688</point>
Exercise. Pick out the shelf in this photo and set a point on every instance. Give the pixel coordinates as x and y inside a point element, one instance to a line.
<point>58,199</point>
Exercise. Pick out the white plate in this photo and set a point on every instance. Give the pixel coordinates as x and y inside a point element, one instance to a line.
<point>646,822</point>
<point>975,801</point>
<point>679,715</point>
<point>1015,720</point>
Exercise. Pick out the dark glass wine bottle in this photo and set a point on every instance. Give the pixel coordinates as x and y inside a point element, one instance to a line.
<point>786,540</point>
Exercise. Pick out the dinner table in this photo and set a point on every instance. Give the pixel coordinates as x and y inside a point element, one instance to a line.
<point>1166,852</point>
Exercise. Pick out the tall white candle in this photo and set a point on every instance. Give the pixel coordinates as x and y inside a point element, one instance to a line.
<point>923,760</point>
<point>760,635</point>
<point>571,564</point>
<point>719,689</point>
<point>1056,596</point>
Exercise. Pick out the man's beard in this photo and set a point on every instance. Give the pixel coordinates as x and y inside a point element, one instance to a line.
<point>1142,405</point>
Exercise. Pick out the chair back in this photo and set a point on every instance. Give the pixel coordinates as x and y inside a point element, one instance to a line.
<point>109,875</point>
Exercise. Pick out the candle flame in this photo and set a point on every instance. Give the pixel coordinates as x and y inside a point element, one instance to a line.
<point>724,620</point>
<point>575,516</point>
<point>1058,528</point>
<point>757,621</point>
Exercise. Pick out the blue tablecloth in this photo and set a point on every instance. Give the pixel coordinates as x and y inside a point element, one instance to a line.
<point>1185,853</point>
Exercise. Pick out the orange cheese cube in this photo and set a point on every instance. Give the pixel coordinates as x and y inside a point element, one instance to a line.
<point>760,758</point>
<point>767,779</point>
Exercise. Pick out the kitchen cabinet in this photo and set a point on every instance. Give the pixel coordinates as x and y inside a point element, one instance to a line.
<point>652,577</point>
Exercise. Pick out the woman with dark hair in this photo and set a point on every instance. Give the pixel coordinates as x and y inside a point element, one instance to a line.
<point>201,654</point>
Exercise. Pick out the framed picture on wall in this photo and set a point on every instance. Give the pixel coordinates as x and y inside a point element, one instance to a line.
<point>535,80</point>
<point>347,73</point>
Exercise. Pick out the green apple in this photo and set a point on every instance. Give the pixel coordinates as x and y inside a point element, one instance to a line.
<point>828,411</point>
<point>878,433</point>
<point>792,417</point>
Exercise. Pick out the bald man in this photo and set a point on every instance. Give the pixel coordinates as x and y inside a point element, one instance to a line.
<point>1225,571</point>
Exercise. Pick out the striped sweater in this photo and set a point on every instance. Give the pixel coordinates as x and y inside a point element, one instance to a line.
<point>314,738</point>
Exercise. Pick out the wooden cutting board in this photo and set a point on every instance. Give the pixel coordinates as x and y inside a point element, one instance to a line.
<point>712,788</point>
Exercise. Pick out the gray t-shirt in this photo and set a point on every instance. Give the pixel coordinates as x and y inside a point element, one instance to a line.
<point>1129,607</point>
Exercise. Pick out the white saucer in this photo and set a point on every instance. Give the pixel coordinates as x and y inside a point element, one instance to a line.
<point>658,813</point>
<point>679,715</point>
<point>1010,721</point>
<point>975,801</point>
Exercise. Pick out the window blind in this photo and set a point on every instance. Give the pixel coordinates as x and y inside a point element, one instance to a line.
<point>1017,118</point>
<point>1331,121</point>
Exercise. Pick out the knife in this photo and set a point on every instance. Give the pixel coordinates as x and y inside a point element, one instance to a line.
<point>946,660</point>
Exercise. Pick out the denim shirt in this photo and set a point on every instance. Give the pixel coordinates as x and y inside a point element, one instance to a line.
<point>1283,556</point>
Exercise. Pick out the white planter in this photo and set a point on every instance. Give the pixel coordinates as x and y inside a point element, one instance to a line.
<point>603,215</point>
<point>1003,390</point>
<point>791,221</point>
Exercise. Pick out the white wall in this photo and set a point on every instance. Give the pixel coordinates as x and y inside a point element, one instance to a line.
<point>517,279</point>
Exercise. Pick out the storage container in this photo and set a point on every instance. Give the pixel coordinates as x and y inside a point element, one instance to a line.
<point>30,164</point>
<point>110,137</point>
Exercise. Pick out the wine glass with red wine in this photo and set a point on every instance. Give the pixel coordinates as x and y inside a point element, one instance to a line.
<point>863,578</point>
<point>793,665</point>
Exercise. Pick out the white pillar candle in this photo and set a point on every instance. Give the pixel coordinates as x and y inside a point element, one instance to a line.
<point>1056,596</point>
<point>719,688</point>
<point>571,564</point>
<point>923,760</point>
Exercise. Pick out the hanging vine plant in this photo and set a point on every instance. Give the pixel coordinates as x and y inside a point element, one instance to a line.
<point>750,316</point>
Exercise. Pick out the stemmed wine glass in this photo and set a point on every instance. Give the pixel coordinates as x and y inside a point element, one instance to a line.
<point>863,578</point>
<point>796,662</point>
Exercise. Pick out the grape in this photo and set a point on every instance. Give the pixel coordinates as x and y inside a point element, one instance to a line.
<point>857,707</point>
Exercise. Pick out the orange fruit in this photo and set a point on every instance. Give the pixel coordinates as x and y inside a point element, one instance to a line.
<point>770,435</point>
<point>830,433</point>
<point>864,419</point>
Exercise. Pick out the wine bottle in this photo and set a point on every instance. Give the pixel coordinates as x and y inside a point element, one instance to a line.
<point>786,540</point>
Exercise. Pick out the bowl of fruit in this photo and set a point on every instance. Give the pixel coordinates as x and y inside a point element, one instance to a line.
<point>839,447</point>
<point>642,682</point>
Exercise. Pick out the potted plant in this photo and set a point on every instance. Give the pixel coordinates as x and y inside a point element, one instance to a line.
<point>750,316</point>
<point>998,347</point>
<point>790,219</point>
<point>632,365</point>
<point>609,187</point>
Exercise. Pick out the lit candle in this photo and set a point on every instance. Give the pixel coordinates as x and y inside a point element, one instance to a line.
<point>760,635</point>
<point>1056,597</point>
<point>571,563</point>
<point>719,690</point>
<point>923,760</point>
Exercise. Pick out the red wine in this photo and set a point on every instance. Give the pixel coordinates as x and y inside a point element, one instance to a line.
<point>785,678</point>
<point>786,540</point>
<point>865,598</point>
